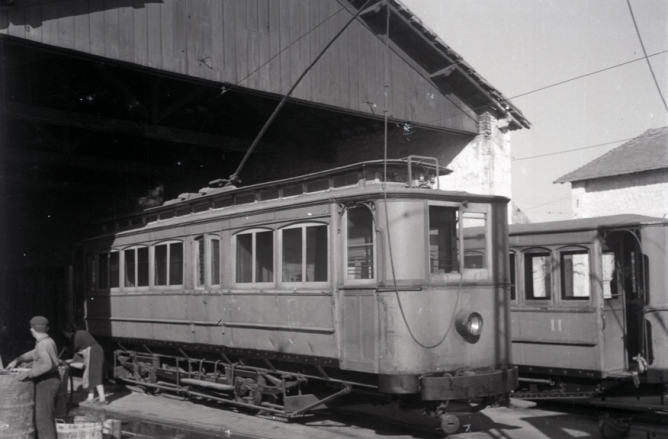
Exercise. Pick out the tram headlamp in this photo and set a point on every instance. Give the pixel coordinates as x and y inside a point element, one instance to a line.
<point>469,324</point>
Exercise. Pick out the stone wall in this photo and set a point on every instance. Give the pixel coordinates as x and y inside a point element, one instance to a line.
<point>644,193</point>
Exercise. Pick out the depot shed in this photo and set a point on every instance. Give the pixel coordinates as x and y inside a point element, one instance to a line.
<point>109,106</point>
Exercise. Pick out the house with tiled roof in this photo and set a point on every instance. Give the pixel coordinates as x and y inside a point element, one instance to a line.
<point>632,178</point>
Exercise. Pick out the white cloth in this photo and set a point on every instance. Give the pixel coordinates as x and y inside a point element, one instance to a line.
<point>85,353</point>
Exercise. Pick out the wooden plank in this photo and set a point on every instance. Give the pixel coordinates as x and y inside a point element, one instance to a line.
<point>194,39</point>
<point>96,26</point>
<point>179,44</point>
<point>140,34</point>
<point>320,80</point>
<point>16,22</point>
<point>296,58</point>
<point>81,26</point>
<point>167,35</point>
<point>304,89</point>
<point>274,65</point>
<point>50,23</point>
<point>229,42</point>
<point>342,53</point>
<point>352,64</point>
<point>330,73</point>
<point>263,81</point>
<point>253,44</point>
<point>241,39</point>
<point>284,38</point>
<point>111,29</point>
<point>66,24</point>
<point>126,30</point>
<point>154,35</point>
<point>370,43</point>
<point>313,41</point>
<point>217,41</point>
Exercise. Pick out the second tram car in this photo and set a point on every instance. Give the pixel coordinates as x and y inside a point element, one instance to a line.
<point>590,306</point>
<point>292,295</point>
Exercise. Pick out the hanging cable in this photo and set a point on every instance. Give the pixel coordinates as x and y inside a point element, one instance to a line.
<point>386,89</point>
<point>571,150</point>
<point>628,2</point>
<point>235,177</point>
<point>554,85</point>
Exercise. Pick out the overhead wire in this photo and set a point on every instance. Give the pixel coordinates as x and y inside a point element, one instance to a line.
<point>628,2</point>
<point>558,83</point>
<point>571,150</point>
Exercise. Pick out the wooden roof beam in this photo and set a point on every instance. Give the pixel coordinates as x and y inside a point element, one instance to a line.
<point>82,121</point>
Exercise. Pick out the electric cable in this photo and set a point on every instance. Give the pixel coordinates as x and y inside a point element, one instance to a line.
<point>559,83</point>
<point>628,2</point>
<point>387,217</point>
<point>571,150</point>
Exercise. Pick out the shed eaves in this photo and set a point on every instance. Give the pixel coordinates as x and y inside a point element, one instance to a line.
<point>647,152</point>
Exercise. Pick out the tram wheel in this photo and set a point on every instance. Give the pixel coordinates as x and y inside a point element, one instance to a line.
<point>449,423</point>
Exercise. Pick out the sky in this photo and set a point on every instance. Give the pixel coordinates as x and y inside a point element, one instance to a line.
<point>520,46</point>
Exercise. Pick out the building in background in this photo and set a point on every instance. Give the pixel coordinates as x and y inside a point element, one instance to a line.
<point>632,178</point>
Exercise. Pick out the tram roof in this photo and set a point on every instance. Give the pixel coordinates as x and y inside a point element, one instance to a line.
<point>343,182</point>
<point>596,223</point>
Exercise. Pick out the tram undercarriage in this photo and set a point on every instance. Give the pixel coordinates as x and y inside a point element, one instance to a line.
<point>277,388</point>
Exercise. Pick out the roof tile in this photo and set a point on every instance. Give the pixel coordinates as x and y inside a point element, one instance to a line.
<point>647,152</point>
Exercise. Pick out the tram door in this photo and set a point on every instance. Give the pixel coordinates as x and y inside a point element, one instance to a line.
<point>623,300</point>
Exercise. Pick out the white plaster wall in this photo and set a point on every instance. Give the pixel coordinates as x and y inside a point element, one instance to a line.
<point>483,166</point>
<point>643,193</point>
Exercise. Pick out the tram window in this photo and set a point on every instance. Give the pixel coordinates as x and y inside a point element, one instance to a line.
<point>443,239</point>
<point>169,264</point>
<point>108,270</point>
<point>360,243</point>
<point>136,267</point>
<point>474,226</point>
<point>305,254</point>
<point>538,276</point>
<point>255,257</point>
<point>513,278</point>
<point>200,262</point>
<point>575,275</point>
<point>215,261</point>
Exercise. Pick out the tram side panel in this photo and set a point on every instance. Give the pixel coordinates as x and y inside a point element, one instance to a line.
<point>655,249</point>
<point>549,330</point>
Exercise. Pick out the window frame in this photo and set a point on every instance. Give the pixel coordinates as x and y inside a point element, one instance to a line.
<point>208,261</point>
<point>466,274</point>
<point>513,284</point>
<point>574,250</point>
<point>303,226</point>
<point>344,248</point>
<point>153,264</point>
<point>136,248</point>
<point>537,251</point>
<point>253,284</point>
<point>97,276</point>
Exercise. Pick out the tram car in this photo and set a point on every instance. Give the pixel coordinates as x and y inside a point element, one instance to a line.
<point>332,288</point>
<point>590,306</point>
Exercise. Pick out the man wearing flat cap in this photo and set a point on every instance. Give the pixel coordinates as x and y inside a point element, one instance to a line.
<point>45,374</point>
